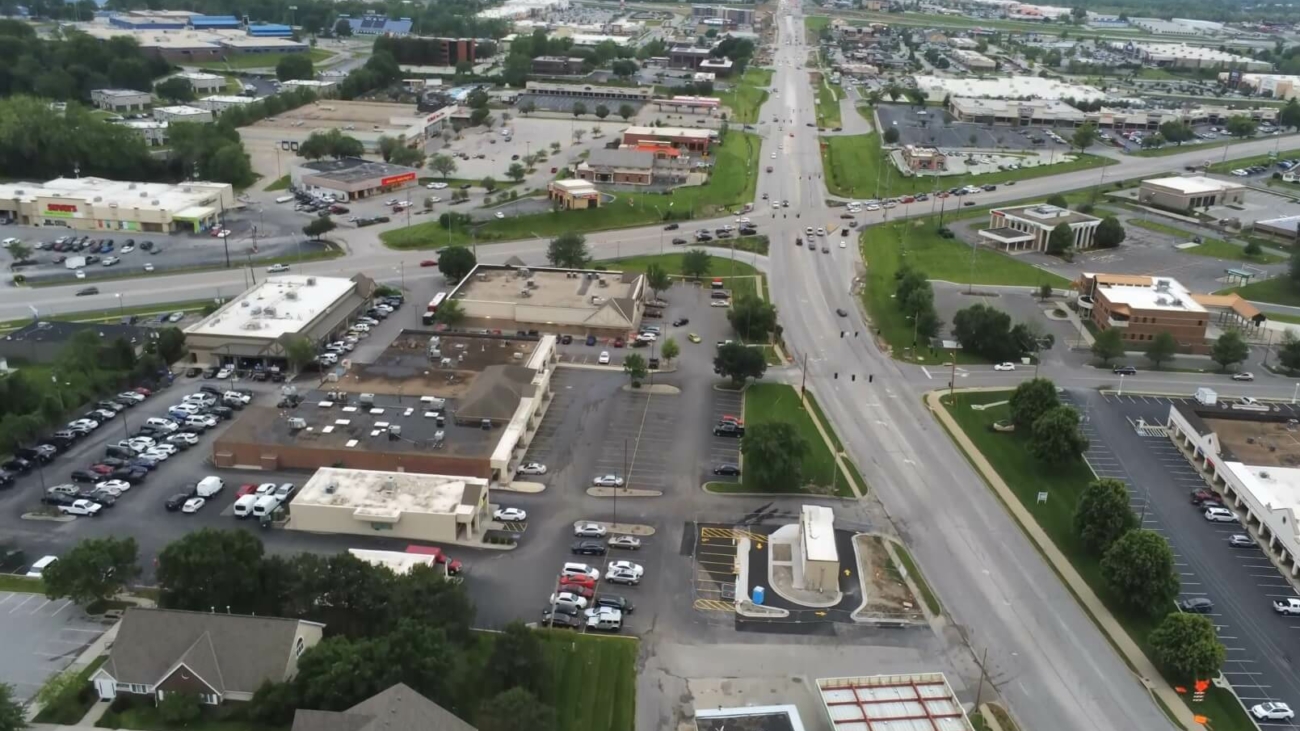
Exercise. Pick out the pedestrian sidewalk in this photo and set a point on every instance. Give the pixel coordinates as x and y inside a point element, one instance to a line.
<point>1101,616</point>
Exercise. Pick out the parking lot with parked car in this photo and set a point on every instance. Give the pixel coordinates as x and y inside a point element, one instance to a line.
<point>1230,580</point>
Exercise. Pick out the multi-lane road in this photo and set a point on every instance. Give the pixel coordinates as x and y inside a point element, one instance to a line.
<point>1047,658</point>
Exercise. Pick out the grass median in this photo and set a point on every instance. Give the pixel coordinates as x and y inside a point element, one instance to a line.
<point>1027,477</point>
<point>917,242</point>
<point>731,185</point>
<point>856,167</point>
<point>828,104</point>
<point>741,278</point>
<point>1209,246</point>
<point>747,95</point>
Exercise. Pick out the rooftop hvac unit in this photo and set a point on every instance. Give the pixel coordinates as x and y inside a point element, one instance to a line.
<point>525,292</point>
<point>291,295</point>
<point>154,202</point>
<point>311,281</point>
<point>144,194</point>
<point>132,186</point>
<point>269,311</point>
<point>602,283</point>
<point>525,272</point>
<point>297,423</point>
<point>482,277</point>
<point>98,199</point>
<point>331,488</point>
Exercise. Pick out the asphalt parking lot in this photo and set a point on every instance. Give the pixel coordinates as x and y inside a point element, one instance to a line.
<point>1242,583</point>
<point>39,637</point>
<point>938,128</point>
<point>723,450</point>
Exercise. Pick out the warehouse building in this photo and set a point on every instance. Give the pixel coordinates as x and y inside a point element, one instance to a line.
<point>253,328</point>
<point>219,103</point>
<point>1142,307</point>
<point>1028,228</point>
<point>353,177</point>
<point>1187,193</point>
<point>937,88</point>
<point>557,66</point>
<point>732,16</point>
<point>411,506</point>
<point>973,60</point>
<point>203,83</point>
<point>574,301</point>
<point>182,113</point>
<point>1015,112</point>
<point>432,402</point>
<point>184,46</point>
<point>121,100</point>
<point>694,140</point>
<point>379,25</point>
<point>639,94</point>
<point>1182,56</point>
<point>153,133</point>
<point>98,204</point>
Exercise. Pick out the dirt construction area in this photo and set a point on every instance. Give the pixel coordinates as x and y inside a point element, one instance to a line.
<point>886,591</point>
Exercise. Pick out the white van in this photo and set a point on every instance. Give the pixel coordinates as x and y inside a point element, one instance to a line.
<point>284,199</point>
<point>265,505</point>
<point>209,486</point>
<point>244,506</point>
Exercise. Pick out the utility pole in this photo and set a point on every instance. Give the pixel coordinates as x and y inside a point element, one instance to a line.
<point>804,382</point>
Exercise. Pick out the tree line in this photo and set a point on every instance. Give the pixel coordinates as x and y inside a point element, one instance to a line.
<point>69,69</point>
<point>1137,565</point>
<point>381,628</point>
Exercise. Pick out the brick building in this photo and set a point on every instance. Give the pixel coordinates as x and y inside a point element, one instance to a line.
<point>1142,307</point>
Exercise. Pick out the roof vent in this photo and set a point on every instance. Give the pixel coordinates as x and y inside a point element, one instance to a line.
<point>311,281</point>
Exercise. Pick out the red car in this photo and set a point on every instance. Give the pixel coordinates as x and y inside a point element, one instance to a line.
<point>243,490</point>
<point>453,565</point>
<point>583,581</point>
<point>618,342</point>
<point>144,392</point>
<point>101,469</point>
<point>582,590</point>
<point>729,419</point>
<point>1200,496</point>
<point>429,263</point>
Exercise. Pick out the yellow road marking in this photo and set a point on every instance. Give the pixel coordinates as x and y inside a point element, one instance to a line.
<point>730,533</point>
<point>714,605</point>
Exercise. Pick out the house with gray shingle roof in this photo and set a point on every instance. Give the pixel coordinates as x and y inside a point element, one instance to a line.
<point>397,709</point>
<point>217,657</point>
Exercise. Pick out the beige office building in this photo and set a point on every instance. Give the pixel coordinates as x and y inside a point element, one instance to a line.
<point>98,204</point>
<point>574,301</point>
<point>407,505</point>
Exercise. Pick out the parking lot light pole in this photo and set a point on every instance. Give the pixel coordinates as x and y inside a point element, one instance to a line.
<point>1121,385</point>
<point>121,311</point>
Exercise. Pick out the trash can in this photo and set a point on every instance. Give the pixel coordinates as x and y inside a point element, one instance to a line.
<point>759,593</point>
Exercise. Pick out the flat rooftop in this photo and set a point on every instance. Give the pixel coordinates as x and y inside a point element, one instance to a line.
<point>1257,443</point>
<point>669,132</point>
<point>818,524</point>
<point>749,718</point>
<point>1193,184</point>
<point>389,494</point>
<point>1053,107</point>
<point>335,113</point>
<point>353,169</point>
<point>275,307</point>
<point>404,366</point>
<point>913,702</point>
<point>123,194</point>
<point>549,288</point>
<point>1007,87</point>
<point>1046,215</point>
<point>1162,294</point>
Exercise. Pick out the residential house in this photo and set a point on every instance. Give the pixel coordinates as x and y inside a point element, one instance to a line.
<point>397,709</point>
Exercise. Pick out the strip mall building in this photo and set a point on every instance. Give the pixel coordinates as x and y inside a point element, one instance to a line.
<point>97,204</point>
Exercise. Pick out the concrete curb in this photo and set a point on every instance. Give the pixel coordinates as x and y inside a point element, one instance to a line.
<point>520,486</point>
<point>1089,601</point>
<point>622,492</point>
<point>626,529</point>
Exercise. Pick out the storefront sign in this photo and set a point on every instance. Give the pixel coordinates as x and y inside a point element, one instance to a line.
<point>60,210</point>
<point>397,179</point>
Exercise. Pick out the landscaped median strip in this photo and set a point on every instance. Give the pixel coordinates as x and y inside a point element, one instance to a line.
<point>1155,683</point>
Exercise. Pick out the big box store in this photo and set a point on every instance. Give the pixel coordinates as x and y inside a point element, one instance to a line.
<point>353,177</point>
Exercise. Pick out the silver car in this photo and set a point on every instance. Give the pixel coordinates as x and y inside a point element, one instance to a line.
<point>589,530</point>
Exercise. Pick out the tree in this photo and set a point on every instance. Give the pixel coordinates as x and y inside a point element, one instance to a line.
<point>478,99</point>
<point>624,68</point>
<point>1187,646</point>
<point>479,116</point>
<point>176,89</point>
<point>1058,200</point>
<point>12,712</point>
<point>343,29</point>
<point>294,66</point>
<point>1176,131</point>
<point>696,263</point>
<point>179,709</point>
<point>1110,233</point>
<point>211,570</point>
<point>299,351</point>
<point>1084,137</point>
<point>1162,348</point>
<point>670,349</point>
<point>891,136</point>
<point>1289,116</point>
<point>318,227</point>
<point>1139,568</point>
<point>450,313</point>
<point>445,165</point>
<point>1229,349</point>
<point>94,570</point>
<point>515,710</point>
<point>489,183</point>
<point>1061,240</point>
<point>774,453</point>
<point>578,134</point>
<point>1108,345</point>
<point>20,251</point>
<point>330,144</point>
<point>456,262</point>
<point>1241,126</point>
<point>527,107</point>
<point>1252,249</point>
<point>1102,514</point>
<point>1055,437</point>
<point>579,109</point>
<point>752,318</point>
<point>568,251</point>
<point>635,368</point>
<point>1045,292</point>
<point>170,344</point>
<point>602,111</point>
<point>411,157</point>
<point>739,363</point>
<point>985,331</point>
<point>1288,352</point>
<point>657,279</point>
<point>626,111</point>
<point>516,172</point>
<point>518,660</point>
<point>1032,399</point>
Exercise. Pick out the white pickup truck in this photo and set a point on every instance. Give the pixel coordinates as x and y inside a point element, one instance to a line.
<point>81,507</point>
<point>1287,606</point>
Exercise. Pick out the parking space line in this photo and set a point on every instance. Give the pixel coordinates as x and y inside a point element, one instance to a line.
<point>20,605</point>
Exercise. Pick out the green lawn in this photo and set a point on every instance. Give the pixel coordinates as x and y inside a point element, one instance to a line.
<point>853,165</point>
<point>732,184</point>
<point>741,276</point>
<point>852,470</point>
<point>21,584</point>
<point>281,183</point>
<point>1189,147</point>
<point>828,105</point>
<point>258,60</point>
<point>814,24</point>
<point>72,704</point>
<point>113,314</point>
<point>145,717</point>
<point>884,249</point>
<point>1063,484</point>
<point>593,681</point>
<point>747,95</point>
<point>768,402</point>
<point>1209,246</point>
<point>1278,290</point>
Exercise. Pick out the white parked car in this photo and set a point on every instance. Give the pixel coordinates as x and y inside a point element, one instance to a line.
<point>225,373</point>
<point>607,481</point>
<point>437,186</point>
<point>844,244</point>
<point>631,543</point>
<point>1220,515</point>
<point>532,468</point>
<point>719,303</point>
<point>589,530</point>
<point>566,597</point>
<point>120,486</point>
<point>604,357</point>
<point>157,455</point>
<point>1008,366</point>
<point>617,576</point>
<point>1272,711</point>
<point>510,515</point>
<point>193,505</point>
<point>189,439</point>
<point>635,568</point>
<point>266,488</point>
<point>131,396</point>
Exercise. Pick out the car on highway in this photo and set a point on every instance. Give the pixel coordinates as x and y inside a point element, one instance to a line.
<point>86,291</point>
<point>631,543</point>
<point>589,530</point>
<point>1005,366</point>
<point>277,268</point>
<point>1195,605</point>
<point>510,515</point>
<point>1124,370</point>
<point>1243,376</point>
<point>1272,711</point>
<point>1240,540</point>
